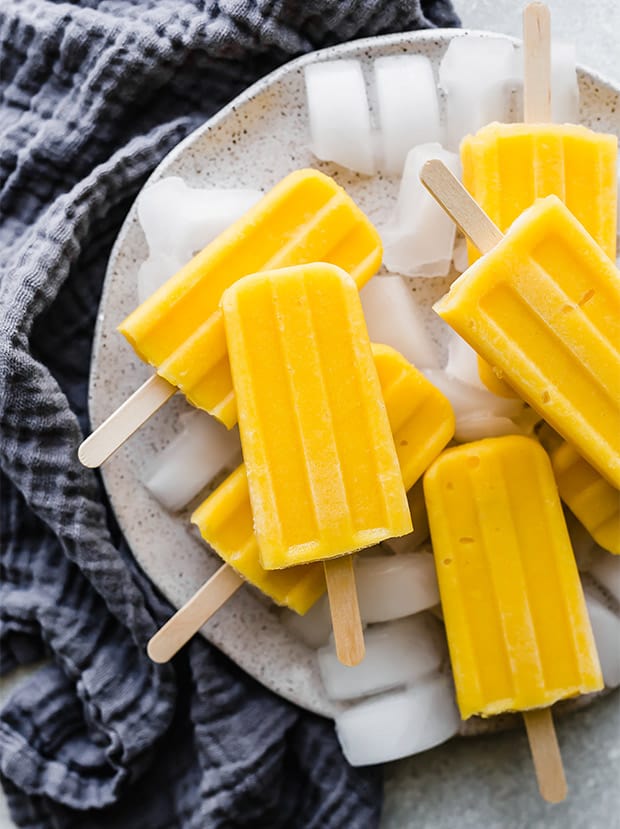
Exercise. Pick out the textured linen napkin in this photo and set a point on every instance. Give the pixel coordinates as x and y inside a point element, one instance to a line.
<point>93,94</point>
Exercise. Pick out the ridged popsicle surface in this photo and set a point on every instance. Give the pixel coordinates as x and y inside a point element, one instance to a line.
<point>515,615</point>
<point>179,330</point>
<point>421,417</point>
<point>422,423</point>
<point>506,167</point>
<point>588,495</point>
<point>323,473</point>
<point>544,307</point>
<point>226,523</point>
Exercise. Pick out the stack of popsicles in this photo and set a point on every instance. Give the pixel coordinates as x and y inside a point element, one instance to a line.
<point>266,327</point>
<point>542,306</point>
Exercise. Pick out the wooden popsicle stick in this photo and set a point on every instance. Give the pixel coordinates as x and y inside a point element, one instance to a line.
<point>467,214</point>
<point>546,754</point>
<point>127,419</point>
<point>188,620</point>
<point>344,609</point>
<point>537,64</point>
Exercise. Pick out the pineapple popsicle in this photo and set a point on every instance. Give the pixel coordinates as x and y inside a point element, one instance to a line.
<point>422,424</point>
<point>515,615</point>
<point>543,306</point>
<point>306,217</point>
<point>322,468</point>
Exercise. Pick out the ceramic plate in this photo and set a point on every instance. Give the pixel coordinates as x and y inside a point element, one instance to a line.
<point>252,143</point>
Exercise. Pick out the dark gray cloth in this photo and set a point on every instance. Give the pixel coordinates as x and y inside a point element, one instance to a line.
<point>93,95</point>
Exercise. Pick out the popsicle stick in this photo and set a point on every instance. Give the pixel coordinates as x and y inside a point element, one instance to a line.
<point>344,609</point>
<point>467,214</point>
<point>546,754</point>
<point>188,620</point>
<point>537,64</point>
<point>126,420</point>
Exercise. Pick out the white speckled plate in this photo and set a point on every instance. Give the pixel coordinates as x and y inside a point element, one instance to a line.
<point>252,143</point>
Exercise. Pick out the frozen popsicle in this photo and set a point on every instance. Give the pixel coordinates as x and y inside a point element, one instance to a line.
<point>506,167</point>
<point>323,473</point>
<point>179,329</point>
<point>543,305</point>
<point>516,620</point>
<point>588,495</point>
<point>225,521</point>
<point>322,469</point>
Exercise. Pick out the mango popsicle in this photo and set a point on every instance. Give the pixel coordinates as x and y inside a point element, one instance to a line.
<point>322,469</point>
<point>543,306</point>
<point>588,496</point>
<point>179,330</point>
<point>515,615</point>
<point>422,423</point>
<point>506,167</point>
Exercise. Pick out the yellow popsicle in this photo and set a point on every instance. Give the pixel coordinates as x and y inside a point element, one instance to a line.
<point>179,329</point>
<point>422,423</point>
<point>323,473</point>
<point>515,615</point>
<point>544,307</point>
<point>506,167</point>
<point>588,496</point>
<point>421,417</point>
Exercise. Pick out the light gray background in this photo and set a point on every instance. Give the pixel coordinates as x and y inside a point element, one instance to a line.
<point>488,782</point>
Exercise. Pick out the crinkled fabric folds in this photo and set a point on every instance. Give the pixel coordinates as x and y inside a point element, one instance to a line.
<point>94,94</point>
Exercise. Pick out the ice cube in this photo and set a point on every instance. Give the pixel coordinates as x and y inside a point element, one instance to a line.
<point>564,87</point>
<point>479,426</point>
<point>412,541</point>
<point>463,361</point>
<point>394,318</point>
<point>154,271</point>
<point>468,400</point>
<point>460,256</point>
<point>194,457</point>
<point>178,220</point>
<point>408,107</point>
<point>393,586</point>
<point>339,114</point>
<point>606,628</point>
<point>314,627</point>
<point>477,73</point>
<point>605,567</point>
<point>420,237</point>
<point>397,653</point>
<point>400,723</point>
